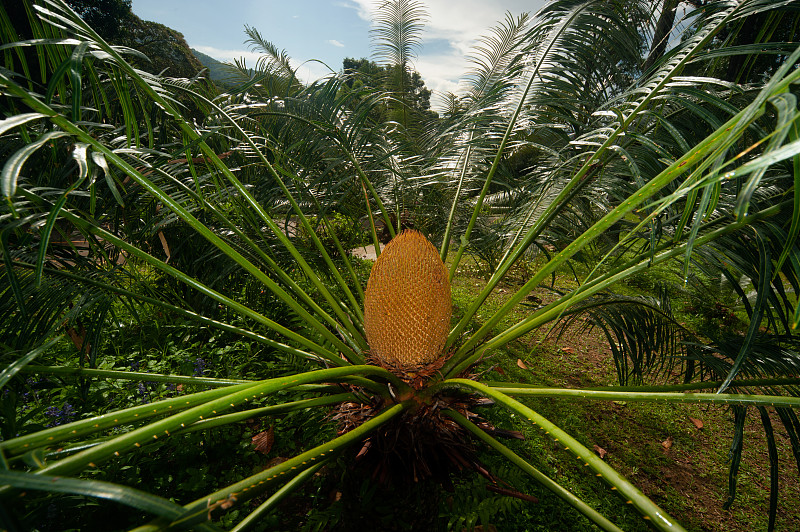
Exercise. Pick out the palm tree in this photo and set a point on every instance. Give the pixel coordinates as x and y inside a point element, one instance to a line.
<point>102,165</point>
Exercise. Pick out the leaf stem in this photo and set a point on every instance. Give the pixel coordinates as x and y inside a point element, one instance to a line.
<point>630,493</point>
<point>590,513</point>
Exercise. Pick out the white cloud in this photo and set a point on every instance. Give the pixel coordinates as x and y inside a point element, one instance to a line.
<point>363,8</point>
<point>452,31</point>
<point>441,74</point>
<point>460,25</point>
<point>461,22</point>
<point>221,54</point>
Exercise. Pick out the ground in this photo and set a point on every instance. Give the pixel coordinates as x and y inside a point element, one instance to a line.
<point>676,454</point>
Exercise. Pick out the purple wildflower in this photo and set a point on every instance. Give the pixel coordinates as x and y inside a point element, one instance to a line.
<point>199,367</point>
<point>144,393</point>
<point>60,416</point>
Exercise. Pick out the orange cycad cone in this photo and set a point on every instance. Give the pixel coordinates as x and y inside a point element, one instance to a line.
<point>407,305</point>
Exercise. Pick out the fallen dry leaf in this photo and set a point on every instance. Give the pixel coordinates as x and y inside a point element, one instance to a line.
<point>78,339</point>
<point>521,364</point>
<point>697,423</point>
<point>499,370</point>
<point>264,440</point>
<point>568,350</point>
<point>600,451</point>
<point>666,444</point>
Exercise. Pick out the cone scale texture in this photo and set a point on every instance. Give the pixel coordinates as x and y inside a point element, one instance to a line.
<point>407,305</point>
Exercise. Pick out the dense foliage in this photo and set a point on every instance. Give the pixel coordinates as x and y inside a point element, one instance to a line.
<point>580,144</point>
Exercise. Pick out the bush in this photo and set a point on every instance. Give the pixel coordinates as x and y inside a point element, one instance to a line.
<point>345,229</point>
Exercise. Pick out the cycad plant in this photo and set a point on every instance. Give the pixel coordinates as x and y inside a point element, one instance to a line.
<point>116,199</point>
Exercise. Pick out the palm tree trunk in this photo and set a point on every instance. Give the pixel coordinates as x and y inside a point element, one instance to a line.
<point>661,34</point>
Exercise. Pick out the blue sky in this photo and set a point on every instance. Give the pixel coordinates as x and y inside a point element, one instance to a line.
<point>330,30</point>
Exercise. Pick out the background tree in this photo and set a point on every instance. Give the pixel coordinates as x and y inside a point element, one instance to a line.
<point>396,36</point>
<point>363,73</point>
<point>165,47</point>
<point>108,17</point>
<point>661,33</point>
<point>116,23</point>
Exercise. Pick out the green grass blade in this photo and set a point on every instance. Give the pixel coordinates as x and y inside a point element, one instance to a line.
<point>590,513</point>
<point>764,279</point>
<point>13,166</point>
<point>227,419</point>
<point>75,67</point>
<point>748,383</point>
<point>654,397</point>
<point>132,497</point>
<point>23,361</point>
<point>56,84</point>
<point>796,320</point>
<point>17,120</point>
<point>229,397</point>
<point>100,161</point>
<point>735,454</point>
<point>11,273</point>
<point>79,154</point>
<point>135,376</point>
<point>451,216</point>
<point>772,451</point>
<point>787,114</point>
<point>373,230</point>
<point>700,217</point>
<point>792,426</point>
<point>794,229</point>
<point>631,494</point>
<point>251,521</point>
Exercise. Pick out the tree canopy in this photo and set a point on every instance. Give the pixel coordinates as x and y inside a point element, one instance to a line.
<point>165,47</point>
<point>108,17</point>
<point>410,91</point>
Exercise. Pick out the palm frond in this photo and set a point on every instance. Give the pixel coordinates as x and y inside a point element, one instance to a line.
<point>396,32</point>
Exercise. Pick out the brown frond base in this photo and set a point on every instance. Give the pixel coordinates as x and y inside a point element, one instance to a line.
<point>399,466</point>
<point>420,444</point>
<point>416,376</point>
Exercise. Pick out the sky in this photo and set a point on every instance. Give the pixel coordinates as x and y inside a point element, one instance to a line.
<point>318,34</point>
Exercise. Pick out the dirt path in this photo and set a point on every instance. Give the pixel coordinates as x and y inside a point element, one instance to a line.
<point>366,252</point>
